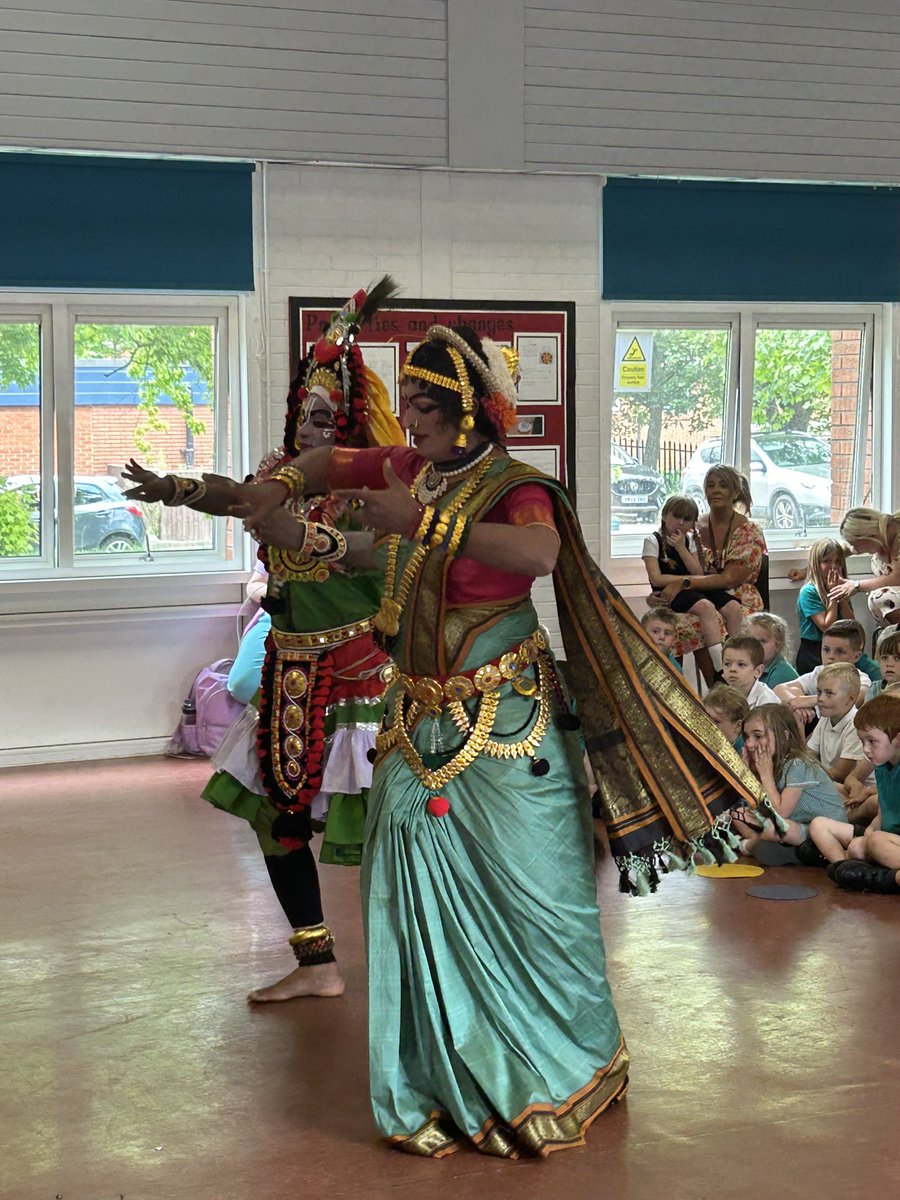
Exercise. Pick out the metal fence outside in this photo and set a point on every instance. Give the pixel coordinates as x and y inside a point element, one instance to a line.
<point>673,456</point>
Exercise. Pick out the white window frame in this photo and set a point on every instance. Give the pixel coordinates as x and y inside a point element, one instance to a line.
<point>44,584</point>
<point>878,322</point>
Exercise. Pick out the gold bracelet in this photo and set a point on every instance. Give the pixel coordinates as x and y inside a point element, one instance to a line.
<point>290,477</point>
<point>196,493</point>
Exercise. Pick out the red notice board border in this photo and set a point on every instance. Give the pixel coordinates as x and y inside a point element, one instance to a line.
<point>543,332</point>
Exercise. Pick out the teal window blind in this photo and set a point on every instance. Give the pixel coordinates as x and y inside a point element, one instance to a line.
<point>712,240</point>
<point>84,222</point>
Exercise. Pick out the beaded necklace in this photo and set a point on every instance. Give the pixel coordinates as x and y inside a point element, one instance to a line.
<point>387,619</point>
<point>435,481</point>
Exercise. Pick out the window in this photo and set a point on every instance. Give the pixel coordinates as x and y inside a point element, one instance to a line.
<point>668,417</point>
<point>83,389</point>
<point>785,395</point>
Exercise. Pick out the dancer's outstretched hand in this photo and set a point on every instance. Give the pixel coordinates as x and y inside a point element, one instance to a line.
<point>255,501</point>
<point>278,528</point>
<point>150,487</point>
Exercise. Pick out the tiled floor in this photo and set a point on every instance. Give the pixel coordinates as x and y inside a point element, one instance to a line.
<point>764,1036</point>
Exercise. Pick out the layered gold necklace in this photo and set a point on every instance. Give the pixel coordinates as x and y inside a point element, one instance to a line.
<point>393,600</point>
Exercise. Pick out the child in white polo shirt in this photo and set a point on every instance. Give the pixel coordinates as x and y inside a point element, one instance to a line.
<point>743,660</point>
<point>834,740</point>
<point>843,645</point>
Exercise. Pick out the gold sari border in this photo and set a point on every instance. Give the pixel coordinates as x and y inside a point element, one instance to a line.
<point>538,1130</point>
<point>431,1141</point>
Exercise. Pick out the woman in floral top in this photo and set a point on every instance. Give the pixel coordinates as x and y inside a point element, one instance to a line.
<point>731,545</point>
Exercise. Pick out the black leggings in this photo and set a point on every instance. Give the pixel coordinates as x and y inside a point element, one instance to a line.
<point>296,883</point>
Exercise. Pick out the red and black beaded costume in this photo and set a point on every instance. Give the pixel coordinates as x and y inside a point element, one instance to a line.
<point>322,686</point>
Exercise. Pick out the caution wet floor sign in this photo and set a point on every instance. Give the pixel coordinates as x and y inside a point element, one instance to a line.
<point>634,362</point>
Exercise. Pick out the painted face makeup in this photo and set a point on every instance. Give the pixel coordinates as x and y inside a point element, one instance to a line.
<point>317,426</point>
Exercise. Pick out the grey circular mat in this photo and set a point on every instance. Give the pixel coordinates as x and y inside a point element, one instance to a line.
<point>781,891</point>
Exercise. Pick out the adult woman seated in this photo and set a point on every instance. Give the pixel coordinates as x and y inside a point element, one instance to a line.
<point>731,552</point>
<point>868,531</point>
<point>732,545</point>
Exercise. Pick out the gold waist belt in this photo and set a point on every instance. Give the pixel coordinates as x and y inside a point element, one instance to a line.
<point>433,691</point>
<point>437,769</point>
<point>321,639</point>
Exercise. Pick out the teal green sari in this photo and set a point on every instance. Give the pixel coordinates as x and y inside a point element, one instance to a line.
<point>491,1018</point>
<point>490,1013</point>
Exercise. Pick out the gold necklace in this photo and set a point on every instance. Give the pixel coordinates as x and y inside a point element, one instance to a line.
<point>435,482</point>
<point>387,619</point>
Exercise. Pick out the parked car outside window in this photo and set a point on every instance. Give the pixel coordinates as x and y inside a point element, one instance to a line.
<point>104,519</point>
<point>637,491</point>
<point>790,477</point>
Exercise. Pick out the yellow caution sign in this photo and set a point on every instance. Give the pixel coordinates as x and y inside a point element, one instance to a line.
<point>634,355</point>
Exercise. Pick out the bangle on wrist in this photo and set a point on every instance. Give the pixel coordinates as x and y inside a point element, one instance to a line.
<point>289,477</point>
<point>185,491</point>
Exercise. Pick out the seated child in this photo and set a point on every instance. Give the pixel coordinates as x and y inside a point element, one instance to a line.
<point>870,862</point>
<point>827,567</point>
<point>887,652</point>
<point>794,781</point>
<point>773,633</point>
<point>834,741</point>
<point>858,789</point>
<point>843,642</point>
<point>727,708</point>
<point>659,626</point>
<point>742,665</point>
<point>672,559</point>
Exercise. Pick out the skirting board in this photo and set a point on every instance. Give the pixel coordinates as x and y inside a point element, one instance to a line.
<point>32,756</point>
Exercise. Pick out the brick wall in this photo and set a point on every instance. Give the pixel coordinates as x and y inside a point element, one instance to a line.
<point>846,348</point>
<point>104,438</point>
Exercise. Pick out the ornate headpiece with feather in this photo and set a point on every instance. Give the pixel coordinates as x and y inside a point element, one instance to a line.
<point>335,365</point>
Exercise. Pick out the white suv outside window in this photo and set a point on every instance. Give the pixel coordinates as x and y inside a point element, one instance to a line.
<point>790,477</point>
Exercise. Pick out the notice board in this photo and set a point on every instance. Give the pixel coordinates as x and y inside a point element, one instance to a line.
<point>542,333</point>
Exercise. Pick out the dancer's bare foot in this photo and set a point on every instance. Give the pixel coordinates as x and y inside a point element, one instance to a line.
<point>323,979</point>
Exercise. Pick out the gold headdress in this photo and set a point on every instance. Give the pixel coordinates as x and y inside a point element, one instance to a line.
<point>497,377</point>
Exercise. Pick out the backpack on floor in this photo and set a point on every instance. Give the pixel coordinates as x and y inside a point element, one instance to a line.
<point>206,714</point>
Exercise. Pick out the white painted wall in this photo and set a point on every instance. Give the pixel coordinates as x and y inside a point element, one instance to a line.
<point>276,79</point>
<point>101,684</point>
<point>462,236</point>
<point>782,89</point>
<point>778,89</point>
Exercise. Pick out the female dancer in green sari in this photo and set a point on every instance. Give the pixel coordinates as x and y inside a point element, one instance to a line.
<point>491,1018</point>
